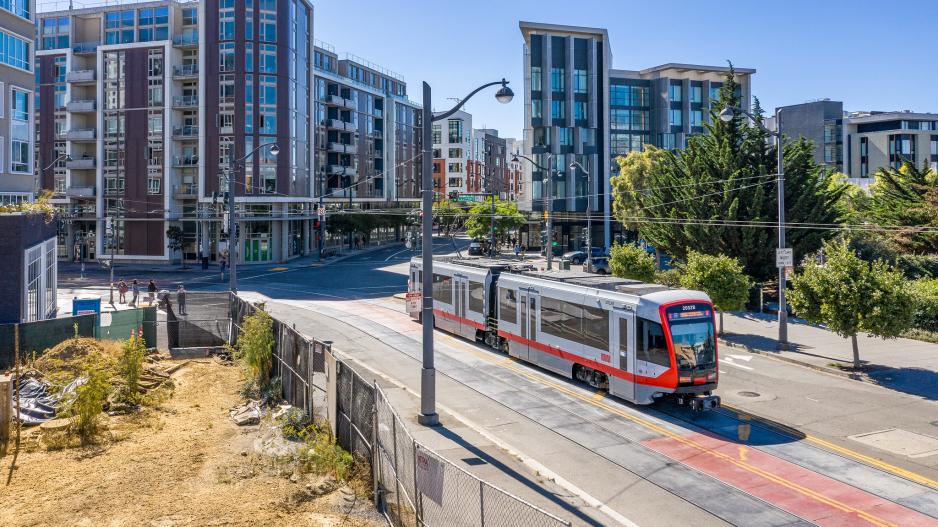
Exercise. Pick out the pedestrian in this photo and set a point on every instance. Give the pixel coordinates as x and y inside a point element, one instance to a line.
<point>517,250</point>
<point>122,291</point>
<point>151,289</point>
<point>134,292</point>
<point>222,263</point>
<point>181,299</point>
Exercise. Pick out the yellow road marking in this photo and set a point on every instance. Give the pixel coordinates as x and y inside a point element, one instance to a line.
<point>598,396</point>
<point>279,269</point>
<point>742,452</point>
<point>685,440</point>
<point>863,458</point>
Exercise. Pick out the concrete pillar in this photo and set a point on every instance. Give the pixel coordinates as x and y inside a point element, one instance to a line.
<point>70,241</point>
<point>307,231</point>
<point>284,238</point>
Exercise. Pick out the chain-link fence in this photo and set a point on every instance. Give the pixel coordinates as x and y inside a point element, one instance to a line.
<point>414,487</point>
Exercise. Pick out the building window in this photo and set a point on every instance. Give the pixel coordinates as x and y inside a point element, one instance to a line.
<point>119,27</point>
<point>226,57</point>
<point>537,109</point>
<point>901,149</point>
<point>190,16</point>
<point>579,110</point>
<point>267,57</point>
<point>226,20</point>
<point>556,79</point>
<point>579,81</point>
<point>535,78</point>
<point>455,152</point>
<point>696,94</point>
<point>455,131</point>
<point>455,168</point>
<point>268,21</point>
<point>715,92</point>
<point>437,134</point>
<point>153,185</point>
<point>20,134</point>
<point>557,109</point>
<point>153,24</point>
<point>864,157</point>
<point>674,92</point>
<point>14,51</point>
<point>17,7</point>
<point>696,118</point>
<point>675,117</point>
<point>565,136</point>
<point>54,31</point>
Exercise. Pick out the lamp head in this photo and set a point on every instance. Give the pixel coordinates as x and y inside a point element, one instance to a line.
<point>274,150</point>
<point>504,94</point>
<point>727,114</point>
<point>68,157</point>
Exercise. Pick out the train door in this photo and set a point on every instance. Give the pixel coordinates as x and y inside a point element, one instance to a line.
<point>460,300</point>
<point>622,348</point>
<point>528,302</point>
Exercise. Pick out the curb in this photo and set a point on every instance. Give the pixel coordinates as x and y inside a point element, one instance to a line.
<point>822,369</point>
<point>340,257</point>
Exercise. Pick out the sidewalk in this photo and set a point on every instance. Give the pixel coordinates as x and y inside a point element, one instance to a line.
<point>905,364</point>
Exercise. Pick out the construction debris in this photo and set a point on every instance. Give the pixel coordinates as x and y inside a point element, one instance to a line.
<point>246,414</point>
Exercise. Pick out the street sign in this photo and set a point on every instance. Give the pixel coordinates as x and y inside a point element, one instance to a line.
<point>784,257</point>
<point>463,198</point>
<point>413,301</point>
<point>429,476</point>
<point>321,212</point>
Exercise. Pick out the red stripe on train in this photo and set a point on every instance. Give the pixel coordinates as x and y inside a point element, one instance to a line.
<point>451,316</point>
<point>662,382</point>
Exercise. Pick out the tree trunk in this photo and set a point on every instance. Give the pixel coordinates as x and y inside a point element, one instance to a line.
<point>721,323</point>
<point>856,353</point>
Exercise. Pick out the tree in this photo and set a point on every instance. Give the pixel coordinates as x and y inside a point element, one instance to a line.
<point>507,218</point>
<point>256,346</point>
<point>631,261</point>
<point>174,240</point>
<point>721,277</point>
<point>718,195</point>
<point>906,199</point>
<point>849,295</point>
<point>449,215</point>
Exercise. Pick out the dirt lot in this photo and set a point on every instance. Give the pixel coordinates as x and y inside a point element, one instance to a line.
<point>185,464</point>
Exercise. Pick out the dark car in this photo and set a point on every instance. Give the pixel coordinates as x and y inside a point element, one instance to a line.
<point>476,249</point>
<point>579,257</point>
<point>600,265</point>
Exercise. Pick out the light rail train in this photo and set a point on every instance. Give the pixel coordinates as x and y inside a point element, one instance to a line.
<point>638,341</point>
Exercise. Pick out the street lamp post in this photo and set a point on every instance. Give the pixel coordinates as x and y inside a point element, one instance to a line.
<point>232,222</point>
<point>549,198</point>
<point>589,217</point>
<point>428,415</point>
<point>726,115</point>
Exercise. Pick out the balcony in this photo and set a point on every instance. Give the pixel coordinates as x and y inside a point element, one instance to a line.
<point>81,48</point>
<point>342,171</point>
<point>335,100</point>
<point>76,191</point>
<point>186,191</point>
<point>81,163</point>
<point>81,106</point>
<point>186,71</point>
<point>186,40</point>
<point>185,132</point>
<point>80,76</point>
<point>188,101</point>
<point>186,161</point>
<point>81,134</point>
<point>336,124</point>
<point>341,148</point>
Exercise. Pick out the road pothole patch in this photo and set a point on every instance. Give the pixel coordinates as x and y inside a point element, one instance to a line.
<point>899,441</point>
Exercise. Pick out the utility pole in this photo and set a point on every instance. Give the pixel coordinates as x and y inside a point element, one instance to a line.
<point>232,222</point>
<point>488,162</point>
<point>112,241</point>
<point>589,216</point>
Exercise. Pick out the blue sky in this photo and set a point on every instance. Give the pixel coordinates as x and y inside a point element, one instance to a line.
<point>870,54</point>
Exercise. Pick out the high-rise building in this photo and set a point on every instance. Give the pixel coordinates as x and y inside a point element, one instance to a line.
<point>152,100</point>
<point>17,85</point>
<point>578,108</point>
<point>452,144</point>
<point>860,143</point>
<point>514,172</point>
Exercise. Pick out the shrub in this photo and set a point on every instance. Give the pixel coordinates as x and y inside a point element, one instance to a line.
<point>926,304</point>
<point>295,424</point>
<point>130,368</point>
<point>630,261</point>
<point>87,403</point>
<point>256,346</point>
<point>323,456</point>
<point>721,277</point>
<point>670,277</point>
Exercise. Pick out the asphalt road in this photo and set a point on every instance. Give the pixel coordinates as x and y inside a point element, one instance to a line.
<point>801,463</point>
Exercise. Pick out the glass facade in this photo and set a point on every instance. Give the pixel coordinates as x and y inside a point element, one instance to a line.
<point>14,51</point>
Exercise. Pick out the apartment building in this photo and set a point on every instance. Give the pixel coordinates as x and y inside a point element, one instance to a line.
<point>859,143</point>
<point>514,171</point>
<point>151,101</point>
<point>452,144</point>
<point>487,164</point>
<point>17,85</point>
<point>367,133</point>
<point>579,108</point>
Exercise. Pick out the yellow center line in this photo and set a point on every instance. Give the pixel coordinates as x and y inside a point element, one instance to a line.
<point>679,438</point>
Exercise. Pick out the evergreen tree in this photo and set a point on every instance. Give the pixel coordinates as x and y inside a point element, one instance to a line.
<point>908,198</point>
<point>702,197</point>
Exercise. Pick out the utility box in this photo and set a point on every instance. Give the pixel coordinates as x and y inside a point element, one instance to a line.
<point>86,306</point>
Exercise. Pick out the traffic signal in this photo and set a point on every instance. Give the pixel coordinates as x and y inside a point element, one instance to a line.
<point>316,224</point>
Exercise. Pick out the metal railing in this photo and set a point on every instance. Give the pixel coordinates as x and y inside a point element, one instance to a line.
<point>186,70</point>
<point>190,100</point>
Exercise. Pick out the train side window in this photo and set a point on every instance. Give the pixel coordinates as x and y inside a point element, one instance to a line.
<point>652,346</point>
<point>476,296</point>
<point>443,288</point>
<point>507,305</point>
<point>596,327</point>
<point>623,343</point>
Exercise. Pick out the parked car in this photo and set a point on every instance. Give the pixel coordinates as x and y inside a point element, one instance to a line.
<point>476,249</point>
<point>600,265</point>
<point>579,257</point>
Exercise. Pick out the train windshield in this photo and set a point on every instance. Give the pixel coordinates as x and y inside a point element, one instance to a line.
<point>693,336</point>
<point>693,343</point>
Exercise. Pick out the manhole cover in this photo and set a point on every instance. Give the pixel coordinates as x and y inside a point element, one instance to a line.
<point>749,394</point>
